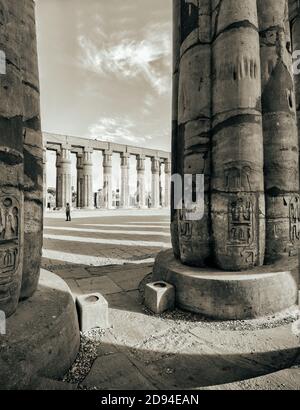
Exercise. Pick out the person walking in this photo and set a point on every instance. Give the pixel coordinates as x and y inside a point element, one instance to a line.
<point>68,213</point>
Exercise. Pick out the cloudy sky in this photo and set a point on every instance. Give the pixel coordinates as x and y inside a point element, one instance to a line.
<point>105,72</point>
<point>105,69</point>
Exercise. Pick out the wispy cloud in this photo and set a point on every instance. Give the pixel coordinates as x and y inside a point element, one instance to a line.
<point>123,55</point>
<point>116,130</point>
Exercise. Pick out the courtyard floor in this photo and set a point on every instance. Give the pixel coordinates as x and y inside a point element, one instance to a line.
<point>112,252</point>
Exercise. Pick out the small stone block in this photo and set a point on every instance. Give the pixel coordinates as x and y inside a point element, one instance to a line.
<point>159,297</point>
<point>92,312</point>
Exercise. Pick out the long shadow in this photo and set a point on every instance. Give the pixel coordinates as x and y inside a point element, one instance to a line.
<point>153,369</point>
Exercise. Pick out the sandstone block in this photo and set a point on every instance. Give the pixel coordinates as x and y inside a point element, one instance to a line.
<point>92,312</point>
<point>159,297</point>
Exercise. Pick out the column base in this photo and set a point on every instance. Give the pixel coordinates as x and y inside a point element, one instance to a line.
<point>42,338</point>
<point>230,295</point>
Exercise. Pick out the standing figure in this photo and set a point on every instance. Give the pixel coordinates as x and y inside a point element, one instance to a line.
<point>68,213</point>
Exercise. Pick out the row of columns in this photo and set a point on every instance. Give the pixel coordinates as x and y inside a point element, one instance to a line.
<point>85,196</point>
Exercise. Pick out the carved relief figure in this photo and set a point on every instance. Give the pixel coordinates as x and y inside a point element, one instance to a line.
<point>295,219</point>
<point>9,236</point>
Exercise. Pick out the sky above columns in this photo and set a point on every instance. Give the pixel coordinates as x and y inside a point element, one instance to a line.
<point>105,69</point>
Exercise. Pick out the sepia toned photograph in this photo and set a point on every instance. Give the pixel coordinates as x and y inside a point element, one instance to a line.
<point>149,199</point>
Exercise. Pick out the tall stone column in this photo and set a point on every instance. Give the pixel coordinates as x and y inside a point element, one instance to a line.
<point>45,177</point>
<point>231,281</point>
<point>124,202</point>
<point>63,177</point>
<point>281,148</point>
<point>140,167</point>
<point>155,196</point>
<point>167,183</point>
<point>238,207</point>
<point>294,6</point>
<point>11,157</point>
<point>80,179</point>
<point>33,154</point>
<point>87,177</point>
<point>191,151</point>
<point>107,179</point>
<point>177,158</point>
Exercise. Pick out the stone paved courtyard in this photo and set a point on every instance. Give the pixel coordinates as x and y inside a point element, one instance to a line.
<point>142,351</point>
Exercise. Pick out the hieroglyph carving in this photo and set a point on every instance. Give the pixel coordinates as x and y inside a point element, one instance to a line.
<point>9,238</point>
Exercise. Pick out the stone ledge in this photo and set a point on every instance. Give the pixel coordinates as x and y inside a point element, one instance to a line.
<point>42,336</point>
<point>230,295</point>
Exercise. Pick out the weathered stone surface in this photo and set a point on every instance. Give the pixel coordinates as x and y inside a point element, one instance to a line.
<point>11,158</point>
<point>159,297</point>
<point>141,195</point>
<point>237,181</point>
<point>42,336</point>
<point>107,179</point>
<point>155,169</point>
<point>80,180</point>
<point>33,154</point>
<point>92,312</point>
<point>191,127</point>
<point>87,180</point>
<point>124,202</point>
<point>281,148</point>
<point>225,295</point>
<point>63,178</point>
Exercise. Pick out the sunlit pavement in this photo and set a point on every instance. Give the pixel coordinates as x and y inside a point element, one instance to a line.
<point>111,252</point>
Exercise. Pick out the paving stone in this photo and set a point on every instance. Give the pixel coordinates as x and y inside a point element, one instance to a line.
<point>129,278</point>
<point>288,379</point>
<point>116,372</point>
<point>103,285</point>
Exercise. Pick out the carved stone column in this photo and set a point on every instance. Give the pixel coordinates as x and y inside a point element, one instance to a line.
<point>124,203</point>
<point>281,149</point>
<point>63,177</point>
<point>191,150</point>
<point>33,154</point>
<point>45,177</point>
<point>226,248</point>
<point>87,177</point>
<point>140,167</point>
<point>155,196</point>
<point>238,206</point>
<point>11,159</point>
<point>107,179</point>
<point>167,183</point>
<point>80,180</point>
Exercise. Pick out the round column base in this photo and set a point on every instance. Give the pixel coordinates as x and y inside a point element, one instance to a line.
<point>230,295</point>
<point>42,338</point>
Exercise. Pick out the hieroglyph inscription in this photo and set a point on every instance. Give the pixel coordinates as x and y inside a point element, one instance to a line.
<point>9,238</point>
<point>295,219</point>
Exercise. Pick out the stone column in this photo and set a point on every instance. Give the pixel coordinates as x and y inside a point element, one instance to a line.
<point>11,158</point>
<point>295,34</point>
<point>107,179</point>
<point>177,158</point>
<point>238,207</point>
<point>281,148</point>
<point>87,177</point>
<point>45,193</point>
<point>155,191</point>
<point>80,179</point>
<point>191,236</point>
<point>33,155</point>
<point>124,202</point>
<point>63,177</point>
<point>167,183</point>
<point>161,193</point>
<point>140,167</point>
